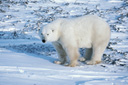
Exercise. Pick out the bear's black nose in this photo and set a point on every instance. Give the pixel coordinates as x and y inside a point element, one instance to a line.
<point>43,41</point>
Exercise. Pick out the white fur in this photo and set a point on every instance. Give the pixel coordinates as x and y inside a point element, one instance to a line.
<point>69,35</point>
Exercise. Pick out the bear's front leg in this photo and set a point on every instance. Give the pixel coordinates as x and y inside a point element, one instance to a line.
<point>73,54</point>
<point>61,53</point>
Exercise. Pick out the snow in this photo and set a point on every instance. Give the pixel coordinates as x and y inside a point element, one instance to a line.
<point>25,60</point>
<point>24,69</point>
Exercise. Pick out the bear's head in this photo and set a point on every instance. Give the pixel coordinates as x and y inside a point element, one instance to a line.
<point>49,33</point>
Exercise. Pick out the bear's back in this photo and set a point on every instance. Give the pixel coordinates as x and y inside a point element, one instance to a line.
<point>86,29</point>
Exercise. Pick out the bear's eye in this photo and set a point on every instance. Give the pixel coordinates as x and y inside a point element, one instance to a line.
<point>41,33</point>
<point>52,30</point>
<point>47,34</point>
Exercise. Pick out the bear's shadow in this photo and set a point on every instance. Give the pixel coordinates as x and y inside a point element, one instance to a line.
<point>45,51</point>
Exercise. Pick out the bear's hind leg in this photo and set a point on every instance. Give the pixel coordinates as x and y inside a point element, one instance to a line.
<point>61,53</point>
<point>97,54</point>
<point>88,54</point>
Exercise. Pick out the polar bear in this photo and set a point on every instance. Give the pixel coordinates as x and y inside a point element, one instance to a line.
<point>68,35</point>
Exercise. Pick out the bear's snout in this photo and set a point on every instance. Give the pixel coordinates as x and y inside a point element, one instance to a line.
<point>43,41</point>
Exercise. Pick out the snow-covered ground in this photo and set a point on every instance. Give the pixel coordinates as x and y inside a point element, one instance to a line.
<point>25,60</point>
